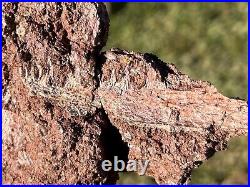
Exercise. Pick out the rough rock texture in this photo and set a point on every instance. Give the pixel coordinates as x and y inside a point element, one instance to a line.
<point>56,46</point>
<point>67,107</point>
<point>166,117</point>
<point>52,127</point>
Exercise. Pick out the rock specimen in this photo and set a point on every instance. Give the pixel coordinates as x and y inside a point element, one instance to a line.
<point>67,107</point>
<point>52,127</point>
<point>166,117</point>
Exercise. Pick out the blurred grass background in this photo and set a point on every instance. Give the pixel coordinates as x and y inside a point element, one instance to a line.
<point>207,41</point>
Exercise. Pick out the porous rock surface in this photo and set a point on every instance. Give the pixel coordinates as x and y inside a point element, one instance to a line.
<point>52,127</point>
<point>67,107</point>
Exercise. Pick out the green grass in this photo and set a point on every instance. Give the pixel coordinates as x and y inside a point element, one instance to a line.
<point>207,41</point>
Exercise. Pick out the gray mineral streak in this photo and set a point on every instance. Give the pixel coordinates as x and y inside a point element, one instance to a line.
<point>175,122</point>
<point>67,107</point>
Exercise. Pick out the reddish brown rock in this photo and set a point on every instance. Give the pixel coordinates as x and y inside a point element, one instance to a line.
<point>56,46</point>
<point>42,151</point>
<point>66,107</point>
<point>52,130</point>
<point>166,117</point>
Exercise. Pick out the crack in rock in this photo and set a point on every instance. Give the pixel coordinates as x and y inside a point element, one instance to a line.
<point>67,106</point>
